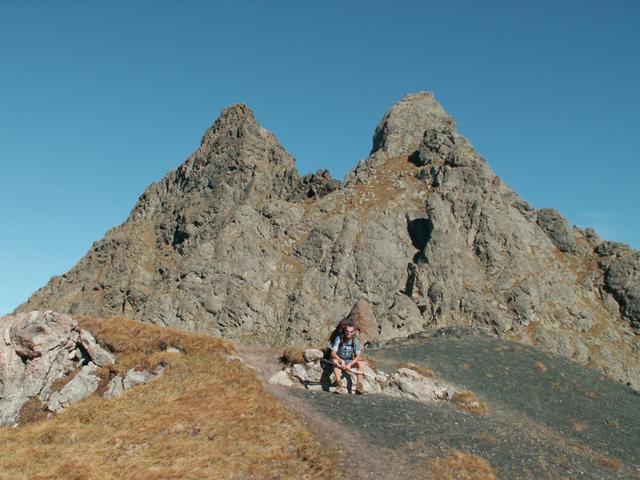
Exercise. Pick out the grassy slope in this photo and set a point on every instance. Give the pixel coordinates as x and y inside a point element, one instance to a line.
<point>204,418</point>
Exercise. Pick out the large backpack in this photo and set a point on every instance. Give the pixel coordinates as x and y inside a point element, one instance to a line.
<point>337,332</point>
<point>342,324</point>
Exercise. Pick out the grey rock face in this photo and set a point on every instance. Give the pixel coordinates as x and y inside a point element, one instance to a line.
<point>622,278</point>
<point>135,377</point>
<point>555,225</point>
<point>82,385</point>
<point>316,185</point>
<point>313,355</point>
<point>38,348</point>
<point>281,378</point>
<point>402,128</point>
<point>362,316</point>
<point>117,385</point>
<point>234,243</point>
<point>98,355</point>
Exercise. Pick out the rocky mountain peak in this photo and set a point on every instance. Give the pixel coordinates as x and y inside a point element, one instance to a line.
<point>237,152</point>
<point>235,126</point>
<point>234,243</point>
<point>238,162</point>
<point>402,128</point>
<point>232,119</point>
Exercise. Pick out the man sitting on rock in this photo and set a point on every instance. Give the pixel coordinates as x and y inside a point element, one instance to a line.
<point>345,356</point>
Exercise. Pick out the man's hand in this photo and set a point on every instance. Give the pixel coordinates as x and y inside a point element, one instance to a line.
<point>346,366</point>
<point>341,364</point>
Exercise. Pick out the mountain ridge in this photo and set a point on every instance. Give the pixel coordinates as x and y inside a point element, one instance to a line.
<point>235,243</point>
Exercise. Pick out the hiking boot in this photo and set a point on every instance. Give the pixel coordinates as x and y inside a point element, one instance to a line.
<point>340,388</point>
<point>360,389</point>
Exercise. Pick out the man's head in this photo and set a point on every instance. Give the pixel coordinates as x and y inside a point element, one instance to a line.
<point>349,331</point>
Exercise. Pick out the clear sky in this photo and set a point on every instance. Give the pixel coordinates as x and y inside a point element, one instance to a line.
<point>99,99</point>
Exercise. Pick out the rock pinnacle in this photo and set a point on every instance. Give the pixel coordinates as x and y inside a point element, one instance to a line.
<point>401,129</point>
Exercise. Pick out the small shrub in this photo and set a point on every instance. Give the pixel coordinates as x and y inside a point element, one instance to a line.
<point>460,466</point>
<point>32,411</point>
<point>293,355</point>
<point>612,463</point>
<point>468,402</point>
<point>578,425</point>
<point>541,367</point>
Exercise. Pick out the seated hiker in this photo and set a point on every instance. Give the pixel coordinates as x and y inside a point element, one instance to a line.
<point>345,356</point>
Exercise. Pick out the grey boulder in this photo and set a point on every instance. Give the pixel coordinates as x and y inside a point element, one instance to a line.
<point>38,348</point>
<point>79,388</point>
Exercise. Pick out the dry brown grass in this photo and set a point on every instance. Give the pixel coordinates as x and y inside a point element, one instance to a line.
<point>32,411</point>
<point>578,425</point>
<point>293,355</point>
<point>204,418</point>
<point>612,463</point>
<point>382,190</point>
<point>541,367</point>
<point>293,264</point>
<point>460,466</point>
<point>468,402</point>
<point>425,372</point>
<point>122,335</point>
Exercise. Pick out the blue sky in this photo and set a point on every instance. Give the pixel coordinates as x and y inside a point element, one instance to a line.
<point>99,99</point>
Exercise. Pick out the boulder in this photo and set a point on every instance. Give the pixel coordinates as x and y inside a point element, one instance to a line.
<point>362,316</point>
<point>313,355</point>
<point>38,348</point>
<point>310,372</point>
<point>115,387</point>
<point>281,378</point>
<point>405,382</point>
<point>408,383</point>
<point>98,355</point>
<point>373,381</point>
<point>36,334</point>
<point>135,377</point>
<point>80,387</point>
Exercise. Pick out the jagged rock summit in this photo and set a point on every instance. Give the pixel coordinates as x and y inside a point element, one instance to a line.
<point>403,126</point>
<point>235,243</point>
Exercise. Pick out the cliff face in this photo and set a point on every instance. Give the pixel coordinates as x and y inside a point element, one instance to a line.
<point>235,243</point>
